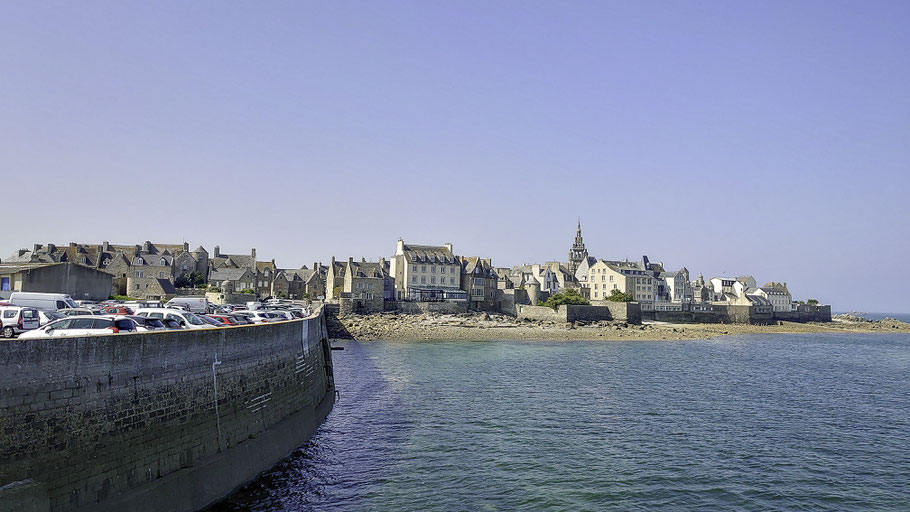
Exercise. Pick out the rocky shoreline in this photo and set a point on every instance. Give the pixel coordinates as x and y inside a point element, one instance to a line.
<point>489,327</point>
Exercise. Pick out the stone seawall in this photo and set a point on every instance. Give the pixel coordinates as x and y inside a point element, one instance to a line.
<point>417,308</point>
<point>130,422</point>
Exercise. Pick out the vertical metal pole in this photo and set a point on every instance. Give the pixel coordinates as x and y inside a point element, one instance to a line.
<point>217,413</point>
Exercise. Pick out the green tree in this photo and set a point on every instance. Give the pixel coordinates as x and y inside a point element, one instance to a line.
<point>618,296</point>
<point>570,296</point>
<point>183,281</point>
<point>247,290</point>
<point>197,278</point>
<point>812,302</point>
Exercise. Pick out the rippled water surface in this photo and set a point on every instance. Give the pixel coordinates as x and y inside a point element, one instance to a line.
<point>782,422</point>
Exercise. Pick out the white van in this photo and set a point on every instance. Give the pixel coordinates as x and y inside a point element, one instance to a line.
<point>195,304</point>
<point>50,301</point>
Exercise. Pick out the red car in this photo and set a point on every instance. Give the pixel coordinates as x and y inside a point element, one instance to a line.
<point>225,319</point>
<point>116,310</point>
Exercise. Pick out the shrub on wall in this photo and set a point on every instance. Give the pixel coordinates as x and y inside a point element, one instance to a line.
<point>570,296</point>
<point>618,296</point>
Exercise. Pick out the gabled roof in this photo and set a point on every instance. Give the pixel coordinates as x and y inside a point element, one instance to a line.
<point>226,274</point>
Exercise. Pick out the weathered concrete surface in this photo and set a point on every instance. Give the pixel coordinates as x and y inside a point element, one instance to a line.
<point>130,422</point>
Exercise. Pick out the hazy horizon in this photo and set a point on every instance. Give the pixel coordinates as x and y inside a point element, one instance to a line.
<point>763,139</point>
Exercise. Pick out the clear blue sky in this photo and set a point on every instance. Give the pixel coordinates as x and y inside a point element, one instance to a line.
<point>763,138</point>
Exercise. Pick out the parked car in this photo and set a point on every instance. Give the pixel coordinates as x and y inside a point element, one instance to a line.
<point>83,325</point>
<point>211,321</point>
<point>282,313</point>
<point>18,320</point>
<point>224,319</point>
<point>184,318</point>
<point>170,324</point>
<point>144,324</point>
<point>42,300</point>
<point>80,311</point>
<point>46,317</point>
<point>257,317</point>
<point>116,310</point>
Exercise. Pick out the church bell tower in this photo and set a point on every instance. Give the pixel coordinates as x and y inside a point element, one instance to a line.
<point>578,253</point>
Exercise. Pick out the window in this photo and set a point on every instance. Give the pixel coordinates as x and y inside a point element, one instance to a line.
<point>9,313</point>
<point>611,279</point>
<point>81,323</point>
<point>60,304</point>
<point>595,295</point>
<point>432,280</point>
<point>105,262</point>
<point>423,279</point>
<point>413,279</point>
<point>161,275</point>
<point>415,268</point>
<point>139,273</point>
<point>423,268</point>
<point>4,284</point>
<point>433,268</point>
<point>614,286</point>
<point>451,280</point>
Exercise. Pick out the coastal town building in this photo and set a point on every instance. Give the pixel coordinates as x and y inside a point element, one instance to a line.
<point>426,273</point>
<point>578,253</point>
<point>480,281</point>
<point>727,288</point>
<point>625,276</point>
<point>777,295</point>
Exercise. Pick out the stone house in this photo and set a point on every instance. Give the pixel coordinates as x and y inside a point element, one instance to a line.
<point>239,278</point>
<point>426,273</point>
<point>150,288</point>
<point>480,281</point>
<point>362,286</point>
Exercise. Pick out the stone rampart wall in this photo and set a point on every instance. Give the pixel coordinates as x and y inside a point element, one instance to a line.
<point>416,308</point>
<point>134,421</point>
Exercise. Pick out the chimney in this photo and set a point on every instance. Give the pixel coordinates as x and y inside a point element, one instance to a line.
<point>363,260</point>
<point>350,260</point>
<point>147,246</point>
<point>400,248</point>
<point>72,244</point>
<point>332,264</point>
<point>448,246</point>
<point>315,267</point>
<point>105,246</point>
<point>186,247</point>
<point>36,248</point>
<point>253,253</point>
<point>51,248</point>
<point>273,263</point>
<point>217,251</point>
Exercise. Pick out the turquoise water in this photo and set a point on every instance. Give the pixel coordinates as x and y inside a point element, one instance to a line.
<point>782,422</point>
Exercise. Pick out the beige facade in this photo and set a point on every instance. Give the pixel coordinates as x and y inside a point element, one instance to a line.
<point>426,272</point>
<point>627,277</point>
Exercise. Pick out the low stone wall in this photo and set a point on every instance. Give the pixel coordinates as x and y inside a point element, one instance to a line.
<point>156,421</point>
<point>620,311</point>
<point>805,313</point>
<point>542,313</point>
<point>417,308</point>
<point>615,311</point>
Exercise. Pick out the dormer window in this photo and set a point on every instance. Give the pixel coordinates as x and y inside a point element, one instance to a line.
<point>138,261</point>
<point>105,262</point>
<point>163,262</point>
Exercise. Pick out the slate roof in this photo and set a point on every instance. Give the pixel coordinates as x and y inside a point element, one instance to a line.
<point>226,274</point>
<point>428,254</point>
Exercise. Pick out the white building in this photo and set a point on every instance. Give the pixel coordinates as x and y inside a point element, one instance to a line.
<point>426,272</point>
<point>777,294</point>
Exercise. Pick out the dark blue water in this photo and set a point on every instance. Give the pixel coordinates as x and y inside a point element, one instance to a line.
<point>783,422</point>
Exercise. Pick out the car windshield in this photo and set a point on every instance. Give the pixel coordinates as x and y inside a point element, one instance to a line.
<point>193,319</point>
<point>29,314</point>
<point>70,303</point>
<point>53,315</point>
<point>154,322</point>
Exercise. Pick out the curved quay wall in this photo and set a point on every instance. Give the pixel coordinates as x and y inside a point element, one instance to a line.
<point>130,422</point>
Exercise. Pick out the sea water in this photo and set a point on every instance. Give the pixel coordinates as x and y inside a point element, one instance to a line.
<point>758,422</point>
